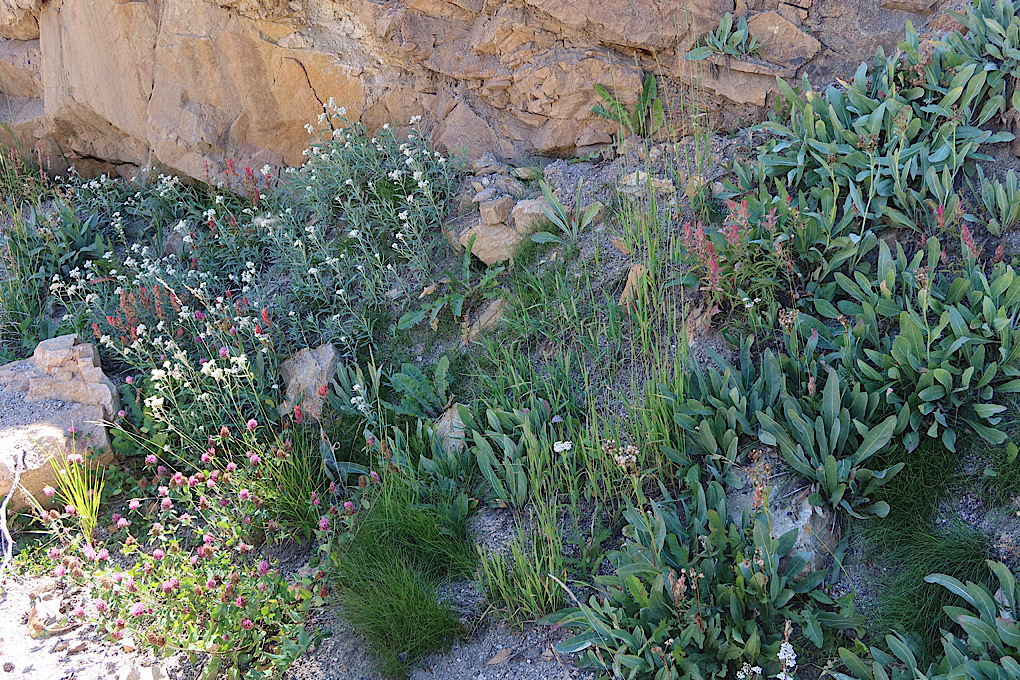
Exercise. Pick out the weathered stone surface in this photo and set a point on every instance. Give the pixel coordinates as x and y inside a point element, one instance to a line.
<point>493,243</point>
<point>186,82</point>
<point>923,7</point>
<point>20,68</point>
<point>304,374</point>
<point>527,215</point>
<point>18,19</point>
<point>781,41</point>
<point>818,534</point>
<point>495,210</point>
<point>489,317</point>
<point>55,403</point>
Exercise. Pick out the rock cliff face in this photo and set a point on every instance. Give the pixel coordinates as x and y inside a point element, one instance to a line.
<point>180,83</point>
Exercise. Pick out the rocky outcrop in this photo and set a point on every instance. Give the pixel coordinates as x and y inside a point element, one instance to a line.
<point>183,83</point>
<point>53,404</point>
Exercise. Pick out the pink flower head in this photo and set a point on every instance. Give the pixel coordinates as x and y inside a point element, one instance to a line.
<point>158,554</point>
<point>75,457</point>
<point>70,510</point>
<point>315,498</point>
<point>374,476</point>
<point>49,491</point>
<point>150,459</point>
<point>163,491</point>
<point>348,508</point>
<point>54,553</point>
<point>231,466</point>
<point>102,555</point>
<point>161,471</point>
<point>332,487</point>
<point>263,568</point>
<point>79,612</point>
<point>137,609</point>
<point>254,459</point>
<point>121,413</point>
<point>247,624</point>
<point>224,352</point>
<point>60,570</point>
<point>244,494</point>
<point>206,457</point>
<point>210,583</point>
<point>177,479</point>
<point>89,552</point>
<point>72,430</point>
<point>224,502</point>
<point>123,523</point>
<point>199,316</point>
<point>193,559</point>
<point>99,604</point>
<point>166,504</point>
<point>211,483</point>
<point>129,380</point>
<point>323,523</point>
<point>156,529</point>
<point>252,424</point>
<point>134,504</point>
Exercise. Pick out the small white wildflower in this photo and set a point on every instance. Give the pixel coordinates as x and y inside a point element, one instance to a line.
<point>562,446</point>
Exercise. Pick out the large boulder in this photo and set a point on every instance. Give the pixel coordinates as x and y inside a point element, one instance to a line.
<point>55,403</point>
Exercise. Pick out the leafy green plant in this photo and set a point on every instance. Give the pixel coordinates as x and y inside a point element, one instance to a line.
<point>695,596</point>
<point>422,396</point>
<point>989,650</point>
<point>719,411</point>
<point>955,350</point>
<point>828,442</point>
<point>1001,202</point>
<point>890,145</point>
<point>737,42</point>
<point>570,224</point>
<point>463,292</point>
<point>645,120</point>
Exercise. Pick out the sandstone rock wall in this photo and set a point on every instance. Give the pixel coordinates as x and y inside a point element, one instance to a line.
<point>180,83</point>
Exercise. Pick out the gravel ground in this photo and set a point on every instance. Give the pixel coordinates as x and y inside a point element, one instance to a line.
<point>492,652</point>
<point>69,651</point>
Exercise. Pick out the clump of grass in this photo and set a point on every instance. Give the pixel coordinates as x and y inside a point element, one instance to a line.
<point>524,583</point>
<point>914,546</point>
<point>389,575</point>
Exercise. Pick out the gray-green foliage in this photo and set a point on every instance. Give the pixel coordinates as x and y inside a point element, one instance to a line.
<point>951,353</point>
<point>725,39</point>
<point>569,223</point>
<point>828,441</point>
<point>1001,201</point>
<point>646,119</point>
<point>659,619</point>
<point>989,649</point>
<point>890,145</point>
<point>721,405</point>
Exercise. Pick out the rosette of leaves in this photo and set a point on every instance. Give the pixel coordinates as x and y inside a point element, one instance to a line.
<point>721,407</point>
<point>890,144</point>
<point>951,351</point>
<point>737,42</point>
<point>828,439</point>
<point>988,650</point>
<point>513,450</point>
<point>692,595</point>
<point>646,119</point>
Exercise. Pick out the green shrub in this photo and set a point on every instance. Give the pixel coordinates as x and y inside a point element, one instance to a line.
<point>955,349</point>
<point>889,146</point>
<point>988,650</point>
<point>694,596</point>
<point>738,42</point>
